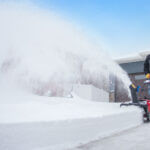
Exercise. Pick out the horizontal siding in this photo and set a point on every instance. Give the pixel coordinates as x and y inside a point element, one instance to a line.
<point>133,67</point>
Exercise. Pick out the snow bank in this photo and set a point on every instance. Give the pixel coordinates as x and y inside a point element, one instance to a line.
<point>33,122</point>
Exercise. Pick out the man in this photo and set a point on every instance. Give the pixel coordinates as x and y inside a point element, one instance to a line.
<point>147,67</point>
<point>147,72</point>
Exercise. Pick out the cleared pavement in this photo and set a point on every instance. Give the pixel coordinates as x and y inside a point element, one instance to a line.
<point>133,139</point>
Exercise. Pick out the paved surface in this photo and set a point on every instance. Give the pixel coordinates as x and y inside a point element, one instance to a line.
<point>134,139</point>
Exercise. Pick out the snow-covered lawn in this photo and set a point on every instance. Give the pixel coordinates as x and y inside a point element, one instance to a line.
<point>34,122</point>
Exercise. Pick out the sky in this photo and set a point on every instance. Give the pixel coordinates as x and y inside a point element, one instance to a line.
<point>121,26</point>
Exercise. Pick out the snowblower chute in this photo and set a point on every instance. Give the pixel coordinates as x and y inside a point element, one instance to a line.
<point>142,103</point>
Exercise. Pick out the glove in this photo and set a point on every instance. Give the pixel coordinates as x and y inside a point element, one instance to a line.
<point>138,88</point>
<point>148,75</point>
<point>133,86</point>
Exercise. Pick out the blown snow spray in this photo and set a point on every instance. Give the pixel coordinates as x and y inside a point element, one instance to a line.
<point>43,53</point>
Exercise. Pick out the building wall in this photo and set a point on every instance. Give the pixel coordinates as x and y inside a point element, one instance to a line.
<point>121,94</point>
<point>135,71</point>
<point>112,97</point>
<point>138,80</point>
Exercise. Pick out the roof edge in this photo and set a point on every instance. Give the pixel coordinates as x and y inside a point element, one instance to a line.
<point>138,57</point>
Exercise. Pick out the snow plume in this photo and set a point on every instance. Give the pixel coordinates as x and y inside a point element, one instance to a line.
<point>43,53</point>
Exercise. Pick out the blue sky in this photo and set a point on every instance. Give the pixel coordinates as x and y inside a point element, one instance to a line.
<point>122,25</point>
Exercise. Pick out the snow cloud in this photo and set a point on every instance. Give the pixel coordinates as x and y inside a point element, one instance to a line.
<point>41,52</point>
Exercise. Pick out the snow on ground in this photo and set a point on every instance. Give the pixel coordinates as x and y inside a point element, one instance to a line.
<point>20,106</point>
<point>37,122</point>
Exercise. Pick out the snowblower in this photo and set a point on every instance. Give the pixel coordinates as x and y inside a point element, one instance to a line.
<point>143,103</point>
